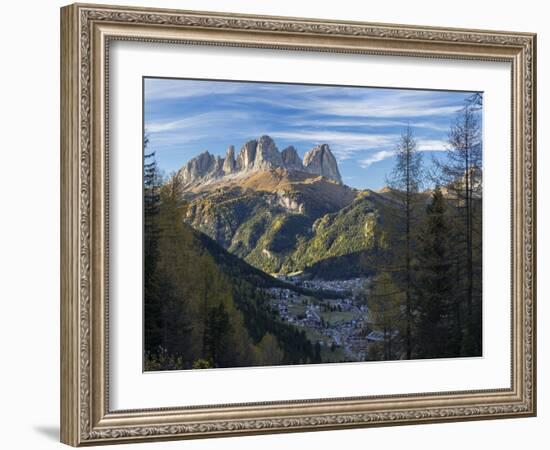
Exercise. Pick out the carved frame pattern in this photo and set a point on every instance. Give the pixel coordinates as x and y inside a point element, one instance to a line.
<point>86,418</point>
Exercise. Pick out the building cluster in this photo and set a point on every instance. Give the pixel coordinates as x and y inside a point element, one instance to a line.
<point>341,321</point>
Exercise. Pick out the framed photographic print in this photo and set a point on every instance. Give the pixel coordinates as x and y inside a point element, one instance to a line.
<point>277,224</point>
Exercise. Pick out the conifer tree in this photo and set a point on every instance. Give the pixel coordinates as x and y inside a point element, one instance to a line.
<point>217,330</point>
<point>151,285</point>
<point>405,182</point>
<point>385,315</point>
<point>437,334</point>
<point>461,173</point>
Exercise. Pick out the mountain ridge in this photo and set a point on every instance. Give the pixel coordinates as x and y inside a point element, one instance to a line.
<point>255,156</point>
<point>279,213</point>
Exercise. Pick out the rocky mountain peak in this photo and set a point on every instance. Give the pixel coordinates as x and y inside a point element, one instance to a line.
<point>218,166</point>
<point>291,160</point>
<point>245,160</point>
<point>199,167</point>
<point>320,160</point>
<point>229,163</point>
<point>260,155</point>
<point>267,154</point>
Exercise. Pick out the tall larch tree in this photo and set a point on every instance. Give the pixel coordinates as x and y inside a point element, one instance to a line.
<point>437,332</point>
<point>406,182</point>
<point>461,173</point>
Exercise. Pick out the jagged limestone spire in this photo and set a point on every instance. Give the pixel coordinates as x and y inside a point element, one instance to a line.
<point>320,160</point>
<point>260,155</point>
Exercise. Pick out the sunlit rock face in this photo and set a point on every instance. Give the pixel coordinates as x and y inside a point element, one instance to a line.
<point>291,160</point>
<point>256,156</point>
<point>267,155</point>
<point>229,163</point>
<point>320,161</point>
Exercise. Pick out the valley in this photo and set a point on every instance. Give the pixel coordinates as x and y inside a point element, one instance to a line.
<point>340,325</point>
<point>297,222</point>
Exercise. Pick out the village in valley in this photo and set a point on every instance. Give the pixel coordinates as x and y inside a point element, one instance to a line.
<point>339,325</point>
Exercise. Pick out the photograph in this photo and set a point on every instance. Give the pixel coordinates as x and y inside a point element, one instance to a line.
<point>290,224</point>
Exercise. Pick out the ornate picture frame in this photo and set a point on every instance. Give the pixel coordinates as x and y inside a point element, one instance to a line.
<point>87,31</point>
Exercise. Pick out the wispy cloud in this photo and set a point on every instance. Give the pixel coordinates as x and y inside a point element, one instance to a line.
<point>162,89</point>
<point>376,157</point>
<point>364,139</point>
<point>428,145</point>
<point>390,109</point>
<point>343,144</point>
<point>432,145</point>
<point>208,120</point>
<point>372,123</point>
<point>362,103</point>
<point>157,89</point>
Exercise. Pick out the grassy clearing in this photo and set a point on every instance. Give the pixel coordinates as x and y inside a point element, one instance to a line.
<point>338,316</point>
<point>297,310</point>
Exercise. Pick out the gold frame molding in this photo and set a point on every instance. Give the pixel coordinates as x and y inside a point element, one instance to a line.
<point>86,31</point>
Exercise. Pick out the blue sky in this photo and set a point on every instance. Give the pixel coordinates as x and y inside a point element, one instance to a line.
<point>361,125</point>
